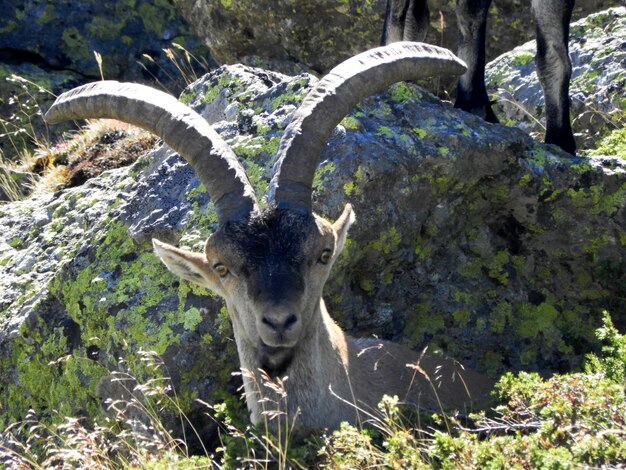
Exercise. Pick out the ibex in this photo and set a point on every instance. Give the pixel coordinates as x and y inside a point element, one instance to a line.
<point>406,20</point>
<point>270,265</point>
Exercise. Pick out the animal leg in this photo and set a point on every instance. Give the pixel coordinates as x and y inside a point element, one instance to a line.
<point>405,20</point>
<point>471,94</point>
<point>554,68</point>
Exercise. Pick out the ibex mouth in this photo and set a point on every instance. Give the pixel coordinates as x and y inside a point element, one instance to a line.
<point>274,359</point>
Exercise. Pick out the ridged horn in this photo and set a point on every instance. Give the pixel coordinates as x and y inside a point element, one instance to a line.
<point>333,97</point>
<point>179,126</point>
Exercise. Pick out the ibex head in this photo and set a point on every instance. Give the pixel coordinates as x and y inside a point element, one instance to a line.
<point>270,266</point>
<point>270,270</point>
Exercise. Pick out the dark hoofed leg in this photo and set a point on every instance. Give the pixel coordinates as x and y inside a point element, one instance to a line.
<point>554,68</point>
<point>471,93</point>
<point>405,20</point>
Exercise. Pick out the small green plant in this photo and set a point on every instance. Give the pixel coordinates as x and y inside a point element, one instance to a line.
<point>613,144</point>
<point>612,363</point>
<point>567,421</point>
<point>275,443</point>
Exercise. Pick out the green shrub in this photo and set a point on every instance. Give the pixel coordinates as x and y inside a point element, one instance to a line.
<point>612,362</point>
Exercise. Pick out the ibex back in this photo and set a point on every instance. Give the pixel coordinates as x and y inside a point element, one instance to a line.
<point>270,266</point>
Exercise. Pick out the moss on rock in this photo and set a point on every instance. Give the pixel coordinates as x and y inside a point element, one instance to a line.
<point>499,250</point>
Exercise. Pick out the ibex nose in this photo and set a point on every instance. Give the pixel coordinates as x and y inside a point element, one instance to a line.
<point>280,325</point>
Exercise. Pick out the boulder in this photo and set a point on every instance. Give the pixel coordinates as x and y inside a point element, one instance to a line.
<point>50,47</point>
<point>291,36</point>
<point>285,35</point>
<point>470,237</point>
<point>64,35</point>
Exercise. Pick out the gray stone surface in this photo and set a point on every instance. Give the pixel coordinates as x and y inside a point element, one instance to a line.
<point>64,35</point>
<point>470,237</point>
<point>51,46</point>
<point>291,36</point>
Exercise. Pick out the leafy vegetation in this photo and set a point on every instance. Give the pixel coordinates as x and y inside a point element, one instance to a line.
<point>613,144</point>
<point>565,421</point>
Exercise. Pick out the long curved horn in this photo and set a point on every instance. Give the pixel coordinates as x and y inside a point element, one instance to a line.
<point>179,126</point>
<point>333,97</point>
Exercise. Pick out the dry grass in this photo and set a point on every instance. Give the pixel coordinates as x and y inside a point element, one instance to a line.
<point>133,437</point>
<point>566,421</point>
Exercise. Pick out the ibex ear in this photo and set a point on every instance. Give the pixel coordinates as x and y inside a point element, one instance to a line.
<point>341,227</point>
<point>193,267</point>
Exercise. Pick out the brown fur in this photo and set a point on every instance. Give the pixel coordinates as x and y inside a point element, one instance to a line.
<point>331,376</point>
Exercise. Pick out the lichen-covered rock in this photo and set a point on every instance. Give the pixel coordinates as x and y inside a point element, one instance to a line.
<point>286,35</point>
<point>77,289</point>
<point>64,35</point>
<point>291,35</point>
<point>598,52</point>
<point>52,46</point>
<point>469,236</point>
<point>510,22</point>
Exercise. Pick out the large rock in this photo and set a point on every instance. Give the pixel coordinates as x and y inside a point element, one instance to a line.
<point>288,36</point>
<point>64,35</point>
<point>598,52</point>
<point>51,45</point>
<point>470,237</point>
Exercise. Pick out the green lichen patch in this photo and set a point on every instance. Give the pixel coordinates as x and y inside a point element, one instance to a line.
<point>247,147</point>
<point>324,171</point>
<point>90,299</point>
<point>425,323</point>
<point>350,122</point>
<point>597,199</point>
<point>74,44</point>
<point>404,92</point>
<point>115,308</point>
<point>612,144</point>
<point>524,58</point>
<point>387,241</point>
<point>294,94</point>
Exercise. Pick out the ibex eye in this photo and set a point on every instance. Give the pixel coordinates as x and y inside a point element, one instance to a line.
<point>325,257</point>
<point>220,269</point>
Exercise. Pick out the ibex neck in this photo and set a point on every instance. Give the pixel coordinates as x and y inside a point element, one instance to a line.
<point>320,363</point>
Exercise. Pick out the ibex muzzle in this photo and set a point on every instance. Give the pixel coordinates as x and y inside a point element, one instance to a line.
<point>270,266</point>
